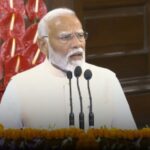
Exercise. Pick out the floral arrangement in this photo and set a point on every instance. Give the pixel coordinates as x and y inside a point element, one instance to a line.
<point>18,37</point>
<point>74,139</point>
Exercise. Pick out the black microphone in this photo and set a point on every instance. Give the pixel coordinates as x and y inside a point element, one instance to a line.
<point>88,76</point>
<point>77,73</point>
<point>71,115</point>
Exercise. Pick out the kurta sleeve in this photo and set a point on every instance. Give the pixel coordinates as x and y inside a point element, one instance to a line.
<point>10,115</point>
<point>122,115</point>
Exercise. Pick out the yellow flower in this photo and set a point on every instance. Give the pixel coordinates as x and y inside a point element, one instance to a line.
<point>145,132</point>
<point>11,133</point>
<point>87,142</point>
<point>29,133</point>
<point>1,127</point>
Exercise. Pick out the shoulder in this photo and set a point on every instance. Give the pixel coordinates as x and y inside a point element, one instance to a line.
<point>100,71</point>
<point>106,78</point>
<point>32,72</point>
<point>30,76</point>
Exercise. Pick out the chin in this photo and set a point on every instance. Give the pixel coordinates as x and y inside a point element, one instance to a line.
<point>71,66</point>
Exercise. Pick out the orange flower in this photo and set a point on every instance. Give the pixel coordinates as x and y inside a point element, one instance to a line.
<point>87,142</point>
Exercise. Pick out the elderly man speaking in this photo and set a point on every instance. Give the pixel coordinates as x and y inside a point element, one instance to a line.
<point>64,90</point>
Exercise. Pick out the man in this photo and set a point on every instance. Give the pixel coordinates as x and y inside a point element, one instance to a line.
<point>39,97</point>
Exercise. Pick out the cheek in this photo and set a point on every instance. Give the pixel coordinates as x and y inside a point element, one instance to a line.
<point>60,48</point>
<point>83,45</point>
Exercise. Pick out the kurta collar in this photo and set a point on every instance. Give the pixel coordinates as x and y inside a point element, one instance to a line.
<point>56,70</point>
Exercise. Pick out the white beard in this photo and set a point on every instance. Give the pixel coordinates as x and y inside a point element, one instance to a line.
<point>63,61</point>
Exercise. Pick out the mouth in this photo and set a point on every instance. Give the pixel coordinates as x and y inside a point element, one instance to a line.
<point>76,56</point>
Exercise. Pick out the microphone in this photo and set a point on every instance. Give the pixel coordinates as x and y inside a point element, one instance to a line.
<point>71,115</point>
<point>88,76</point>
<point>77,73</point>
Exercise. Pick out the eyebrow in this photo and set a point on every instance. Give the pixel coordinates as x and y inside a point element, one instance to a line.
<point>66,33</point>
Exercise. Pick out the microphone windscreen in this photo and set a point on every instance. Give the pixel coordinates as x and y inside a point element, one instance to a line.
<point>69,74</point>
<point>87,74</point>
<point>77,71</point>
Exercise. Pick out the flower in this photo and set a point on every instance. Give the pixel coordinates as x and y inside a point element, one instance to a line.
<point>75,138</point>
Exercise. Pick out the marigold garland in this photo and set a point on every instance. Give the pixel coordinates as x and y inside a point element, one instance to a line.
<point>74,138</point>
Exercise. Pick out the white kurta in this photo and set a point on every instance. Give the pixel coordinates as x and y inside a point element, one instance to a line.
<point>39,98</point>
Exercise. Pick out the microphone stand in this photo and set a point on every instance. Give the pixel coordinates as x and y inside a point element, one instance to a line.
<point>88,75</point>
<point>77,73</point>
<point>71,114</point>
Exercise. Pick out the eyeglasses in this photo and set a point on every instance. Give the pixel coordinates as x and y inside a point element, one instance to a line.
<point>81,36</point>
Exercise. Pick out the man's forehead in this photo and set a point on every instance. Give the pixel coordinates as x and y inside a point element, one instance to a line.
<point>65,24</point>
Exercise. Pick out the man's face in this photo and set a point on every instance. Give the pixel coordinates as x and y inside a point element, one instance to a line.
<point>66,41</point>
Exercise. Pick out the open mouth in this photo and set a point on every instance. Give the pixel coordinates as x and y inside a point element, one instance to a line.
<point>76,56</point>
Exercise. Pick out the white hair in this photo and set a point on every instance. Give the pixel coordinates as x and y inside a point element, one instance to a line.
<point>42,25</point>
<point>54,57</point>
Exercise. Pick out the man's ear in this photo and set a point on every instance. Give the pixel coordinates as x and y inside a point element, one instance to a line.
<point>43,45</point>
